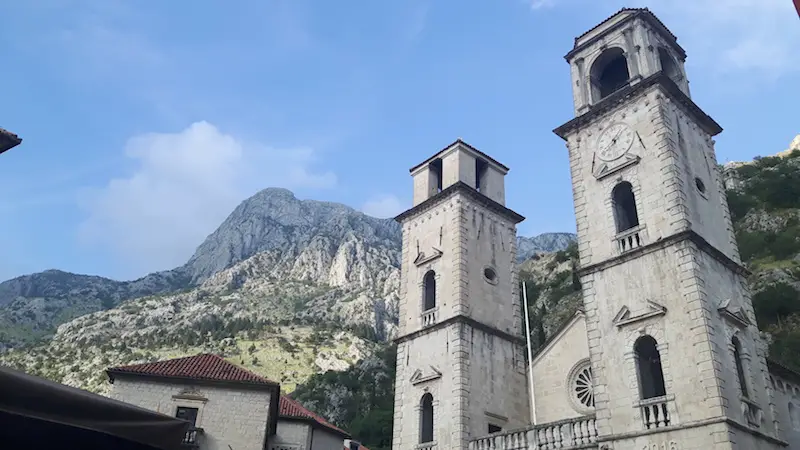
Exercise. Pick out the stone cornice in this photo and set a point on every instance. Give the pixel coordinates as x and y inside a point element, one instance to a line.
<point>623,95</point>
<point>465,320</point>
<point>661,244</point>
<point>462,188</point>
<point>642,13</point>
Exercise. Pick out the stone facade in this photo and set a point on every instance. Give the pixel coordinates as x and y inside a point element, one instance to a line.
<point>665,268</point>
<point>295,434</point>
<point>555,370</point>
<point>229,417</point>
<point>665,354</point>
<point>460,357</point>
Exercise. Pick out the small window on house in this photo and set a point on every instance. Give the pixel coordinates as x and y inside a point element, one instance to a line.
<point>609,73</point>
<point>436,170</point>
<point>187,414</point>
<point>429,290</point>
<point>737,359</point>
<point>494,428</point>
<point>426,419</point>
<point>648,361</point>
<point>700,185</point>
<point>481,167</point>
<point>624,204</point>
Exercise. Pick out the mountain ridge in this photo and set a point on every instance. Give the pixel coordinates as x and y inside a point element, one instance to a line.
<point>309,240</point>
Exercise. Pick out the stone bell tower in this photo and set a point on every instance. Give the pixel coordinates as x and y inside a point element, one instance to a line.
<point>677,360</point>
<point>460,353</point>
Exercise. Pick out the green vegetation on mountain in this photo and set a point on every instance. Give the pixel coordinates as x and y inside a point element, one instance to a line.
<point>765,208</point>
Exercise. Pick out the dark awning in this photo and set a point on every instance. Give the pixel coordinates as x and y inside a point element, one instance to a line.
<point>40,411</point>
<point>8,140</point>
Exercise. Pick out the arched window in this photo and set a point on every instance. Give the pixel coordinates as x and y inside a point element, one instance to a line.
<point>624,204</point>
<point>737,359</point>
<point>648,361</point>
<point>609,73</point>
<point>668,65</point>
<point>794,416</point>
<point>426,419</point>
<point>429,290</point>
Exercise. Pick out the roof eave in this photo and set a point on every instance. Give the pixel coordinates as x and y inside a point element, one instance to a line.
<point>459,141</point>
<point>644,14</point>
<point>265,385</point>
<point>316,424</point>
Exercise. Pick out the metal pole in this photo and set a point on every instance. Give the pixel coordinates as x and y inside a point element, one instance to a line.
<point>530,355</point>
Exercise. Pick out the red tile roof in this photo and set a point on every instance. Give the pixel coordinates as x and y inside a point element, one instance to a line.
<point>292,408</point>
<point>206,367</point>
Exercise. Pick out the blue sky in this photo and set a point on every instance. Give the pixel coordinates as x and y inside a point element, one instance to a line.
<point>145,123</point>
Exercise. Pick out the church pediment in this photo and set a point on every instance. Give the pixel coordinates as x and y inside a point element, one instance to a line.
<point>624,316</point>
<point>606,168</point>
<point>421,376</point>
<point>423,258</point>
<point>733,312</point>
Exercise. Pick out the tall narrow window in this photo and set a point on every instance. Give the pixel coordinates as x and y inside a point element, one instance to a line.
<point>648,360</point>
<point>624,204</point>
<point>436,171</point>
<point>668,65</point>
<point>481,167</point>
<point>426,419</point>
<point>429,290</point>
<point>794,416</point>
<point>737,359</point>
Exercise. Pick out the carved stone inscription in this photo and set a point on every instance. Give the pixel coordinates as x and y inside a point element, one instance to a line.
<point>663,445</point>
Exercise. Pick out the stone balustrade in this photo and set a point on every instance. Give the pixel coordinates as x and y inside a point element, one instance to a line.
<point>429,317</point>
<point>752,413</point>
<point>564,435</point>
<point>630,239</point>
<point>656,412</point>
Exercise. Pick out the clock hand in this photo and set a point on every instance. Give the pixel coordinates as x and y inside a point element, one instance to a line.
<point>614,139</point>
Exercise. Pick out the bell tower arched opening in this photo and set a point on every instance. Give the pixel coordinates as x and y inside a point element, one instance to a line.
<point>668,65</point>
<point>609,73</point>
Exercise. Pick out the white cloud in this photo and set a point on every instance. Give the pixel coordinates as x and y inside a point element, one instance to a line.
<point>736,37</point>
<point>538,4</point>
<point>756,36</point>
<point>182,187</point>
<point>383,206</point>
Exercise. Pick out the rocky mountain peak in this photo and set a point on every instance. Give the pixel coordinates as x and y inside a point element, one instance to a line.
<point>275,219</point>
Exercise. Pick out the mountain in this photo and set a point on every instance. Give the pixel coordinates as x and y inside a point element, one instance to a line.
<point>274,219</point>
<point>31,305</point>
<point>291,289</point>
<point>528,247</point>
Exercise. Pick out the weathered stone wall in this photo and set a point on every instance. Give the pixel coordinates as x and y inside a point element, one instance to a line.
<point>291,434</point>
<point>786,399</point>
<point>487,240</point>
<point>325,440</point>
<point>427,354</point>
<point>228,417</point>
<point>475,379</point>
<point>552,368</point>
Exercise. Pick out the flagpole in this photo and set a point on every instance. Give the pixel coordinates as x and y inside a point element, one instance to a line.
<point>530,355</point>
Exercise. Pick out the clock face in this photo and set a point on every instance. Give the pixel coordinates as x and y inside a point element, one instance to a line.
<point>615,141</point>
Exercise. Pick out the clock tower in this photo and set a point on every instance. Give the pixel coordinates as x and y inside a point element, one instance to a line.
<point>677,359</point>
